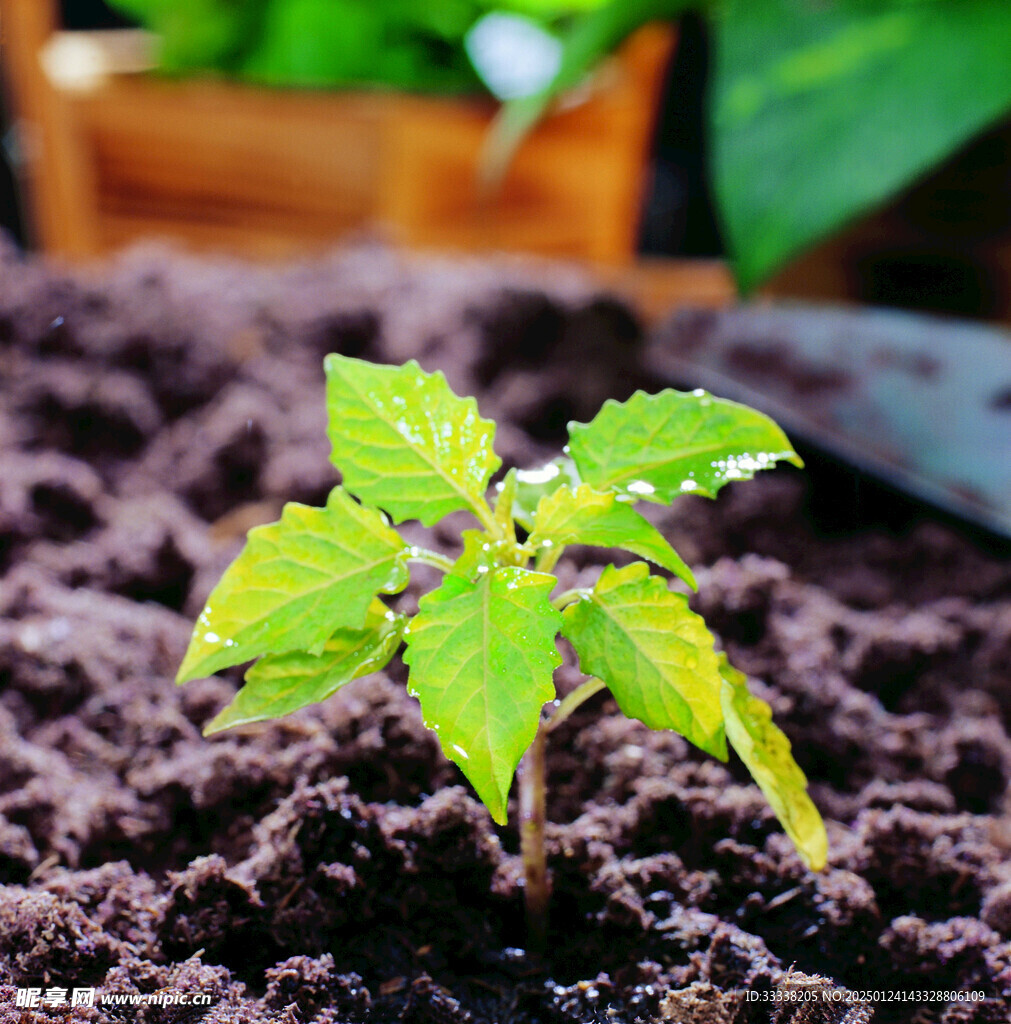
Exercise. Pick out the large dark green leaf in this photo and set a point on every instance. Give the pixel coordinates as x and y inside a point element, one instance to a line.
<point>823,110</point>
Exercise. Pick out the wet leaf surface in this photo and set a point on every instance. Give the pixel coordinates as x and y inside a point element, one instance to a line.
<point>296,580</point>
<point>654,653</point>
<point>404,442</point>
<point>658,447</point>
<point>481,659</point>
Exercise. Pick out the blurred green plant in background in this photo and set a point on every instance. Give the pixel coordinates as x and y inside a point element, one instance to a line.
<point>819,109</point>
<point>415,45</point>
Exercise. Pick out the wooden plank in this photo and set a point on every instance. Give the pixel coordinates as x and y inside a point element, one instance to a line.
<point>657,286</point>
<point>58,179</point>
<point>199,156</point>
<point>264,171</point>
<point>574,189</point>
<point>249,241</point>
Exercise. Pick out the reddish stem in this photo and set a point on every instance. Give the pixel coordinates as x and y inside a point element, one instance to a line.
<point>535,866</point>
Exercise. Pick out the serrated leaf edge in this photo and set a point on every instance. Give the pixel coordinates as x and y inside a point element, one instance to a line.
<point>382,657</point>
<point>639,571</point>
<point>674,564</point>
<point>645,398</point>
<point>502,777</point>
<point>187,672</point>
<point>473,502</point>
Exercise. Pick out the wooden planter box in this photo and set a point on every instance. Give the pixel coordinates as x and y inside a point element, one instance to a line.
<point>271,172</point>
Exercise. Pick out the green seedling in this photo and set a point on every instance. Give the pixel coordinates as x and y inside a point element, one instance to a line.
<point>305,594</point>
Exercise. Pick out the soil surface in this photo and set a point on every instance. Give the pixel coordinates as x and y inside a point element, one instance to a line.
<point>333,867</point>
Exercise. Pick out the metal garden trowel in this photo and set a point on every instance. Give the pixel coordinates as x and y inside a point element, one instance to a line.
<point>921,403</point>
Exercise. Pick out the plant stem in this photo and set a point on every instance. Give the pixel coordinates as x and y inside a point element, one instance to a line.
<point>548,558</point>
<point>532,775</point>
<point>582,693</point>
<point>535,866</point>
<point>504,506</point>
<point>567,597</point>
<point>485,516</point>
<point>432,558</point>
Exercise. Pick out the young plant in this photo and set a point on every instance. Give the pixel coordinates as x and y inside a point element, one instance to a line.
<point>304,594</point>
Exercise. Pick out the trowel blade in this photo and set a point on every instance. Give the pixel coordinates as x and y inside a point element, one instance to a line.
<point>920,402</point>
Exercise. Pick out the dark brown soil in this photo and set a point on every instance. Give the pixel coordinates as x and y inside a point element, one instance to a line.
<point>333,867</point>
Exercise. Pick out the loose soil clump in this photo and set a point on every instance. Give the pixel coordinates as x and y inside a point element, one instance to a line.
<point>332,867</point>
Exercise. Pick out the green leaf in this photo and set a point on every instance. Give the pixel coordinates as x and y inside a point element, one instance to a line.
<point>197,34</point>
<point>279,684</point>
<point>654,653</point>
<point>295,582</point>
<point>405,443</point>
<point>315,43</point>
<point>481,554</point>
<point>822,111</point>
<point>534,484</point>
<point>478,556</point>
<point>766,752</point>
<point>585,516</point>
<point>547,9</point>
<point>657,447</point>
<point>481,659</point>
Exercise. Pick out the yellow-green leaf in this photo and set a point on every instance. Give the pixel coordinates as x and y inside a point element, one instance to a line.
<point>655,654</point>
<point>279,684</point>
<point>482,655</point>
<point>657,447</point>
<point>582,515</point>
<point>481,554</point>
<point>297,581</point>
<point>404,442</point>
<point>766,752</point>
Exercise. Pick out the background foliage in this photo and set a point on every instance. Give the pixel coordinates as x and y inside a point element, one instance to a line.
<point>819,109</point>
<point>406,44</point>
